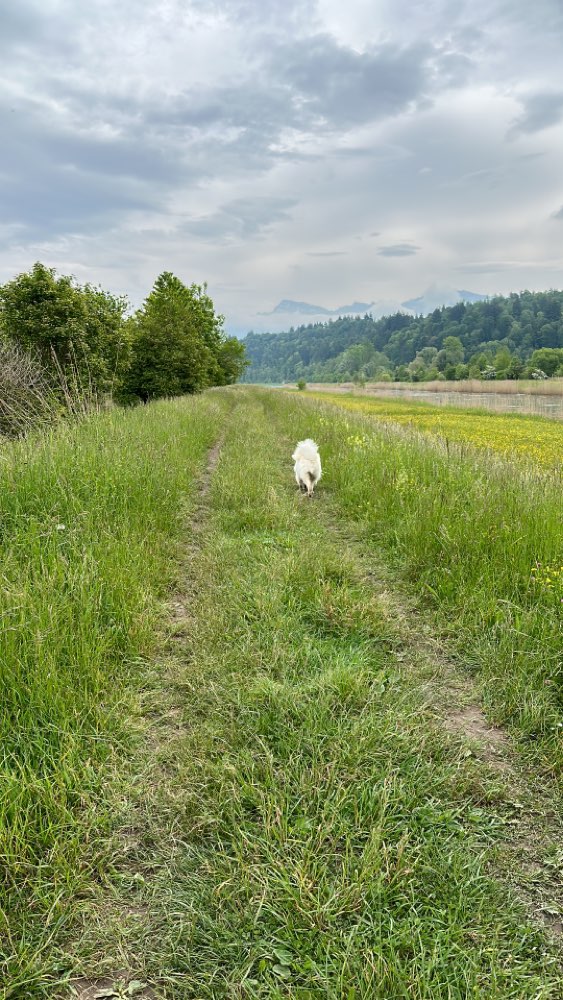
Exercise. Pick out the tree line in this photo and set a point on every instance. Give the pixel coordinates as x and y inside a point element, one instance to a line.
<point>88,338</point>
<point>514,336</point>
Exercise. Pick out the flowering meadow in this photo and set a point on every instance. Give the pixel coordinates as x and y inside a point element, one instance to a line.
<point>529,439</point>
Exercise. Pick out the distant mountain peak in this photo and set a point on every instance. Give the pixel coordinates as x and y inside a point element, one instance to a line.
<point>356,307</point>
<point>437,296</point>
<point>293,308</point>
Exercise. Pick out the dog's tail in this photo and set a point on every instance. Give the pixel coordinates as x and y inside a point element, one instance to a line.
<point>306,449</point>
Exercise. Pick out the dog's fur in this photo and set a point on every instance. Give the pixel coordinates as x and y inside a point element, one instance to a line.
<point>307,466</point>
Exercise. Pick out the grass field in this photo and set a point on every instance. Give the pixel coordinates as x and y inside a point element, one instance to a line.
<point>473,536</point>
<point>267,787</point>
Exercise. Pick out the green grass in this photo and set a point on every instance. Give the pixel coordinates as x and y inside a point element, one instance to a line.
<point>464,532</point>
<point>89,519</point>
<point>254,799</point>
<point>324,837</point>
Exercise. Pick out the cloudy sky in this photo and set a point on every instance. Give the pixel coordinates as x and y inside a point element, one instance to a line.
<point>305,149</point>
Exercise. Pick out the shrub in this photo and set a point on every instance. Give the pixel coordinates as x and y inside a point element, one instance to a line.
<point>26,394</point>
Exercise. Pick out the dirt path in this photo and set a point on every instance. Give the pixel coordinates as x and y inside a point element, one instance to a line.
<point>162,727</point>
<point>530,858</point>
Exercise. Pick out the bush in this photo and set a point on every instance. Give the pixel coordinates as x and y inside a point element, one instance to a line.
<point>26,394</point>
<point>301,384</point>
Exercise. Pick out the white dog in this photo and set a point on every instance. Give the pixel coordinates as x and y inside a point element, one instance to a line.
<point>307,465</point>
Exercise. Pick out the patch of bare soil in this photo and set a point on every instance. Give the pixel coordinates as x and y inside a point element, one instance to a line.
<point>200,514</point>
<point>112,988</point>
<point>470,722</point>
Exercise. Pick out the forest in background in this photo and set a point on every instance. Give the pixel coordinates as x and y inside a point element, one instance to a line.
<point>505,337</point>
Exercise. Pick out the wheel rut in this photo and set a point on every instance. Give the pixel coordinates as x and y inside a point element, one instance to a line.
<point>529,858</point>
<point>162,724</point>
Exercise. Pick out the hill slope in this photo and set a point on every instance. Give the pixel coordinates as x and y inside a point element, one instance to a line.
<point>510,327</point>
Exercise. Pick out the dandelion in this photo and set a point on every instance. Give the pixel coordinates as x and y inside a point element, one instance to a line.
<point>549,580</point>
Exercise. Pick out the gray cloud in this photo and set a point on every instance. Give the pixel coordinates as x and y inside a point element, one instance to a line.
<point>244,218</point>
<point>452,69</point>
<point>508,266</point>
<point>345,87</point>
<point>23,25</point>
<point>539,111</point>
<point>58,180</point>
<point>156,134</point>
<point>486,267</point>
<point>398,250</point>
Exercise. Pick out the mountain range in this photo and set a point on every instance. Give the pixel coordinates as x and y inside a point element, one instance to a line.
<point>434,297</point>
<point>291,307</point>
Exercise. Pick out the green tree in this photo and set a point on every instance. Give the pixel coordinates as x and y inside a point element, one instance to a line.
<point>515,368</point>
<point>454,351</point>
<point>548,359</point>
<point>177,343</point>
<point>428,355</point>
<point>502,362</point>
<point>232,361</point>
<point>78,330</point>
<point>318,352</point>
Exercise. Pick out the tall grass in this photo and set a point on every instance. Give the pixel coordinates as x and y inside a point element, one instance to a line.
<point>32,398</point>
<point>303,828</point>
<point>27,398</point>
<point>90,514</point>
<point>504,397</point>
<point>466,532</point>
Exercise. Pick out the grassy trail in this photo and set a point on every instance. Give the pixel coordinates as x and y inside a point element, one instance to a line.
<point>478,541</point>
<point>299,819</point>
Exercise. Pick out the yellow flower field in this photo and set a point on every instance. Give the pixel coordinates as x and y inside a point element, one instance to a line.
<point>536,439</point>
